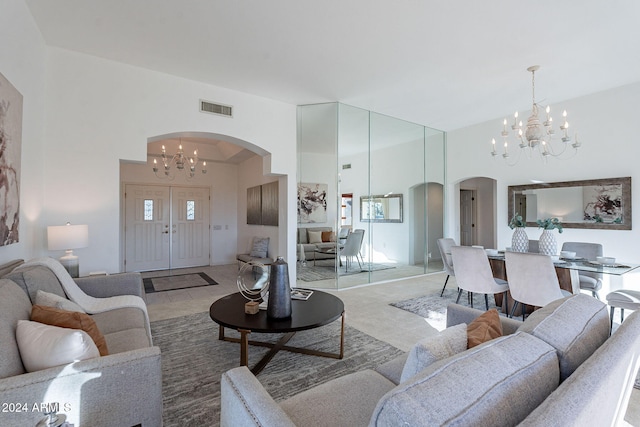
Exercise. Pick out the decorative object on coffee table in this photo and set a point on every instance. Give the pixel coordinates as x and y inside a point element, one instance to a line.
<point>279,304</point>
<point>519,240</point>
<point>258,291</point>
<point>547,242</point>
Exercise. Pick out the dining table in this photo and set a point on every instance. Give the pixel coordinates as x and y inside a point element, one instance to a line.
<point>567,270</point>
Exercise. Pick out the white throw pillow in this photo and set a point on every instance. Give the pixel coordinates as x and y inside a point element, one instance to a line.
<point>44,346</point>
<point>449,342</point>
<point>52,300</point>
<point>315,236</point>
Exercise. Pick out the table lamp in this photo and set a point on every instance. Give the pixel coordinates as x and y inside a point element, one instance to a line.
<point>68,237</point>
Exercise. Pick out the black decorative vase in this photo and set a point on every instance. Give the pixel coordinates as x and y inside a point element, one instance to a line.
<point>279,303</point>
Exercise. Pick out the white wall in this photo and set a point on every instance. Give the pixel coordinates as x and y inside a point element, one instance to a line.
<point>22,62</point>
<point>605,122</point>
<point>100,111</point>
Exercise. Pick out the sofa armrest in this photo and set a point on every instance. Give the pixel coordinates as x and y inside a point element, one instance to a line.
<point>90,392</point>
<point>244,402</point>
<point>112,285</point>
<point>457,314</point>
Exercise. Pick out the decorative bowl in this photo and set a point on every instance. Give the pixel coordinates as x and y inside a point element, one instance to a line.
<point>567,254</point>
<point>606,260</point>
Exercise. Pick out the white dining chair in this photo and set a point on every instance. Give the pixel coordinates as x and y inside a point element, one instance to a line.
<point>352,247</point>
<point>532,280</point>
<point>474,275</point>
<point>591,282</point>
<point>444,245</point>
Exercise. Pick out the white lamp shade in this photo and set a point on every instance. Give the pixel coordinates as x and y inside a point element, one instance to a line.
<point>64,237</point>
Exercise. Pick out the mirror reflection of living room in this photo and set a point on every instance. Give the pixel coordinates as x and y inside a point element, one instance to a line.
<point>358,224</point>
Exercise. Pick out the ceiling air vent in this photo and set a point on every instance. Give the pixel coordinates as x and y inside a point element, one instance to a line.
<point>213,108</point>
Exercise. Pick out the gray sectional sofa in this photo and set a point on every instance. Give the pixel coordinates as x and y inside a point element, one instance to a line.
<point>123,388</point>
<point>309,249</point>
<point>558,368</point>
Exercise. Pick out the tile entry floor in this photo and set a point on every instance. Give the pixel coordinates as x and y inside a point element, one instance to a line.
<point>367,308</point>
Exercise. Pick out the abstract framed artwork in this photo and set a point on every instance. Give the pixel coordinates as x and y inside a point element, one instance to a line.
<point>262,204</point>
<point>254,206</point>
<point>269,208</point>
<point>10,148</point>
<point>312,203</point>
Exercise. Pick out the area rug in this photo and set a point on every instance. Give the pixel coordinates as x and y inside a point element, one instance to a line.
<point>433,307</point>
<point>325,269</point>
<point>178,281</point>
<point>193,360</point>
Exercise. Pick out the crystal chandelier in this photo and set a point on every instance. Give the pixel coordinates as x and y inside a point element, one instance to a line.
<point>538,137</point>
<point>178,163</point>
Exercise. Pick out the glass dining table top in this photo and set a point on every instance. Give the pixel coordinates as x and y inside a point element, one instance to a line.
<point>582,264</point>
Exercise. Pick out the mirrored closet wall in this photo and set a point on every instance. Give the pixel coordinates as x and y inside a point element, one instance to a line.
<point>370,197</point>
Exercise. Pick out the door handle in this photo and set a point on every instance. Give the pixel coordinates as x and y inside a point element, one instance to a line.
<point>165,232</point>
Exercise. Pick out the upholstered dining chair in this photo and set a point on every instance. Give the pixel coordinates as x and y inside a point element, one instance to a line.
<point>352,247</point>
<point>473,274</point>
<point>445,244</point>
<point>534,246</point>
<point>343,233</point>
<point>532,280</point>
<point>589,281</point>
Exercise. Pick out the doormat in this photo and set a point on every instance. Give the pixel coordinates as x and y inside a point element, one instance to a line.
<point>178,281</point>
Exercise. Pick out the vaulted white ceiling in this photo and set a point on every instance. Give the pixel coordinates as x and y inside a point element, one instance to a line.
<point>444,64</point>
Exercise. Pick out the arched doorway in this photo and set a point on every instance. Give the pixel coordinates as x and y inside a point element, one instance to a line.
<point>477,211</point>
<point>190,220</point>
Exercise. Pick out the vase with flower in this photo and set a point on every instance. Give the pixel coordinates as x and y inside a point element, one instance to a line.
<point>519,240</point>
<point>547,243</point>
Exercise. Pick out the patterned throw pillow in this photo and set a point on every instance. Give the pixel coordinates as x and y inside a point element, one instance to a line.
<point>52,300</point>
<point>260,247</point>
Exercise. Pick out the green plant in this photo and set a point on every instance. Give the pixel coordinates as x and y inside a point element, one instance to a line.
<point>517,221</point>
<point>550,224</point>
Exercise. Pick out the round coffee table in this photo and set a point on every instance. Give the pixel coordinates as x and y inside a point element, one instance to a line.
<point>320,309</point>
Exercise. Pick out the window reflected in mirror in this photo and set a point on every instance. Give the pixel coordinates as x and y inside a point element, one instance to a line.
<point>381,208</point>
<point>600,203</point>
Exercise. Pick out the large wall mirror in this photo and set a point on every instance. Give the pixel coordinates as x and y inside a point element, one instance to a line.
<point>381,208</point>
<point>597,203</point>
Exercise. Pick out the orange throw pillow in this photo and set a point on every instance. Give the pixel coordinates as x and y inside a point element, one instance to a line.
<point>72,320</point>
<point>484,328</point>
<point>327,236</point>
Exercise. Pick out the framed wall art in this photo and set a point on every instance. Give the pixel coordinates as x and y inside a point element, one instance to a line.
<point>10,148</point>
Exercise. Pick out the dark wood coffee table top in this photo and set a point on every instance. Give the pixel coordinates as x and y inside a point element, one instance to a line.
<point>320,309</point>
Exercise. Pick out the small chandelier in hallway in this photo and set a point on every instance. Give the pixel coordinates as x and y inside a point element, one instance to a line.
<point>538,138</point>
<point>178,163</point>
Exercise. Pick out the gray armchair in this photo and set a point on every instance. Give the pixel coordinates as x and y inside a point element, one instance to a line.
<point>92,390</point>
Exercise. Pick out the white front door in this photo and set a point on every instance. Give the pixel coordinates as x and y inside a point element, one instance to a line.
<point>166,227</point>
<point>147,221</point>
<point>190,227</point>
